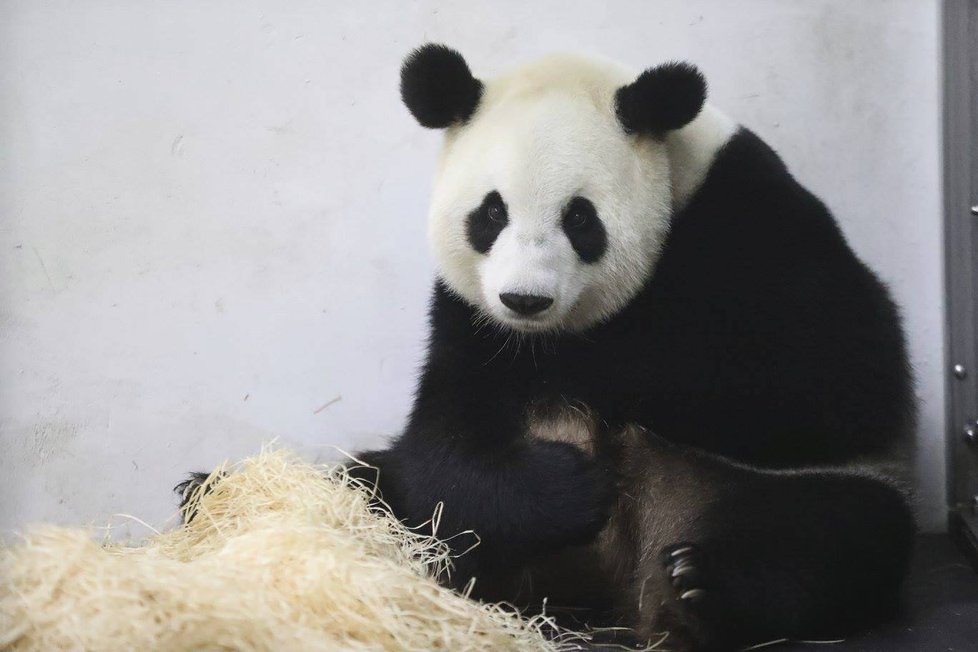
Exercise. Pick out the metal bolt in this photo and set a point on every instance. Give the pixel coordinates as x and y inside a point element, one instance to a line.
<point>960,372</point>
<point>974,209</point>
<point>970,432</point>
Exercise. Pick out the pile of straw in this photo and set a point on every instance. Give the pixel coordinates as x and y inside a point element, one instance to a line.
<point>281,555</point>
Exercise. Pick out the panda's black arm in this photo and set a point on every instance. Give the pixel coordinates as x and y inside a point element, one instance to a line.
<point>464,447</point>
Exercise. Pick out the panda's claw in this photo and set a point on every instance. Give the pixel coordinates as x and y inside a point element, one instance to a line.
<point>682,569</point>
<point>693,595</point>
<point>683,564</point>
<point>677,550</point>
<point>688,579</point>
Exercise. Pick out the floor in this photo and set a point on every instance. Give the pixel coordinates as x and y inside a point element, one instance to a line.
<point>940,614</point>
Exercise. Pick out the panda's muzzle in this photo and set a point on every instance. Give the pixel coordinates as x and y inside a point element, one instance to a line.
<point>525,304</point>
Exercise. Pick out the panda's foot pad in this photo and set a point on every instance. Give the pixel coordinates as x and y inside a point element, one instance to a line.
<point>685,569</point>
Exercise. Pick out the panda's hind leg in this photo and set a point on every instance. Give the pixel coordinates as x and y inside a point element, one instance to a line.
<point>742,556</point>
<point>820,554</point>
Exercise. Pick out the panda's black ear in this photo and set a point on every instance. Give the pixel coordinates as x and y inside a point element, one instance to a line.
<point>438,87</point>
<point>663,98</point>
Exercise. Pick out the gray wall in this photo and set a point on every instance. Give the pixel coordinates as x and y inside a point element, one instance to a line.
<point>212,213</point>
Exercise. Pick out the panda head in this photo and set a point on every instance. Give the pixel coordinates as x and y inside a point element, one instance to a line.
<point>552,196</point>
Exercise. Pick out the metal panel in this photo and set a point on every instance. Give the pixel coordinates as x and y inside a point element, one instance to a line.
<point>961,260</point>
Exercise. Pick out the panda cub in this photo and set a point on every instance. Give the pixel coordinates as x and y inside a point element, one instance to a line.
<point>657,376</point>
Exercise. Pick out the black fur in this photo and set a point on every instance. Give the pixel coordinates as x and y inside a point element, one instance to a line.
<point>585,230</point>
<point>761,339</point>
<point>819,554</point>
<point>438,87</point>
<point>187,490</point>
<point>486,222</point>
<point>661,99</point>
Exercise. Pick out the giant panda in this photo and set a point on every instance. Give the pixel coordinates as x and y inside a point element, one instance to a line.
<point>660,388</point>
<point>656,371</point>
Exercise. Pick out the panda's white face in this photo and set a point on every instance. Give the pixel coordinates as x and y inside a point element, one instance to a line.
<point>546,215</point>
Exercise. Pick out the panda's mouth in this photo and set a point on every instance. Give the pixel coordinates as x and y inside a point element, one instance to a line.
<point>529,323</point>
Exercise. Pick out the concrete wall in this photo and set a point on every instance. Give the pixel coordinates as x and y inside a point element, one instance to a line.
<point>212,213</point>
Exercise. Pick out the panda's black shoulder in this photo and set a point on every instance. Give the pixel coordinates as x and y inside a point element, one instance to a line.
<point>755,268</point>
<point>750,203</point>
<point>753,233</point>
<point>746,172</point>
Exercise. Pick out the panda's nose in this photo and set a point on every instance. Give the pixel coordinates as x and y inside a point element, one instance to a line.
<point>525,304</point>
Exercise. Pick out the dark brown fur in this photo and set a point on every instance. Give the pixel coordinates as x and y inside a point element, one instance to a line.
<point>662,494</point>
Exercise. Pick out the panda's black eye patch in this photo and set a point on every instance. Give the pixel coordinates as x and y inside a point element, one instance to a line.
<point>585,230</point>
<point>486,222</point>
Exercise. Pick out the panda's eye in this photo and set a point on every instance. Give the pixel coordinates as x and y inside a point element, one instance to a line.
<point>578,214</point>
<point>486,222</point>
<point>496,213</point>
<point>584,229</point>
<point>575,220</point>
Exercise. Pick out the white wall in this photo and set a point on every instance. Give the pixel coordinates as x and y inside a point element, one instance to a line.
<point>212,213</point>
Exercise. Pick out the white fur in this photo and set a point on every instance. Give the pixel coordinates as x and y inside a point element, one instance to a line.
<point>541,135</point>
<point>693,148</point>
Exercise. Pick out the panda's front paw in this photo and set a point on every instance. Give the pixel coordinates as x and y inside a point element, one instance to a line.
<point>190,493</point>
<point>582,497</point>
<point>572,493</point>
<point>687,573</point>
